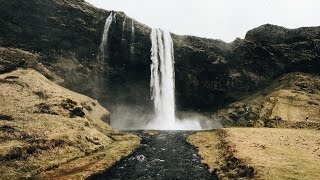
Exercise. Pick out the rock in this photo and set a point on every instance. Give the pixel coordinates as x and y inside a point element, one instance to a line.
<point>141,158</point>
<point>66,35</point>
<point>211,73</point>
<point>6,117</point>
<point>272,34</point>
<point>78,111</point>
<point>44,108</point>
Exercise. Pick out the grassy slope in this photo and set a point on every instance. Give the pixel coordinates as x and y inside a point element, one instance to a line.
<point>44,126</point>
<point>291,99</point>
<point>273,153</point>
<point>278,153</point>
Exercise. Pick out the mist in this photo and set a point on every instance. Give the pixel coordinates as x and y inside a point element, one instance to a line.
<point>129,117</point>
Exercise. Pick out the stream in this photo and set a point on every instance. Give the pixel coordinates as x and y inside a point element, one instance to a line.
<point>166,155</point>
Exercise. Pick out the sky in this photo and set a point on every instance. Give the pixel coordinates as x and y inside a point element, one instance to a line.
<point>217,19</point>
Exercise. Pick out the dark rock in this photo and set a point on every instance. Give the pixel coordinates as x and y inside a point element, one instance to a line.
<point>6,117</point>
<point>209,73</point>
<point>41,94</point>
<point>7,128</point>
<point>72,107</point>
<point>78,111</point>
<point>68,104</point>
<point>106,118</point>
<point>11,77</point>
<point>44,108</point>
<point>87,107</point>
<point>272,34</point>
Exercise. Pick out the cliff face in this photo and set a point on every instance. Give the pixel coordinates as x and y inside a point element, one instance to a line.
<point>212,73</point>
<point>209,73</point>
<point>51,26</point>
<point>67,34</point>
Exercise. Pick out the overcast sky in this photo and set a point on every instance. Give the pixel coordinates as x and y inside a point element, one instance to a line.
<point>218,19</point>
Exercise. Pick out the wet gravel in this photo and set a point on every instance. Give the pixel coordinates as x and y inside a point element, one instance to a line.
<point>163,156</point>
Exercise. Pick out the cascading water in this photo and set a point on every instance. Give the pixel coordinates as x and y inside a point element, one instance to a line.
<point>132,38</point>
<point>123,28</point>
<point>102,54</point>
<point>132,31</point>
<point>162,79</point>
<point>162,84</point>
<point>115,17</point>
<point>98,80</point>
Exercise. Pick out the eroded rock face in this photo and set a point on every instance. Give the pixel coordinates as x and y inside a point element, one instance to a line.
<point>209,73</point>
<point>272,34</point>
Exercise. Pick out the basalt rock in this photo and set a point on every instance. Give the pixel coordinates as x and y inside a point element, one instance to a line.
<point>209,73</point>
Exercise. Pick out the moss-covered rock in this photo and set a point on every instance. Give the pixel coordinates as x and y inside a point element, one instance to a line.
<point>209,73</point>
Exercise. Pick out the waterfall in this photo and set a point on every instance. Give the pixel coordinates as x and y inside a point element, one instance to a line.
<point>162,80</point>
<point>132,38</point>
<point>162,85</point>
<point>102,54</point>
<point>115,17</point>
<point>123,28</point>
<point>98,80</point>
<point>132,31</point>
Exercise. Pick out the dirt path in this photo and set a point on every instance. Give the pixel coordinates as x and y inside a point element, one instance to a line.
<point>163,156</point>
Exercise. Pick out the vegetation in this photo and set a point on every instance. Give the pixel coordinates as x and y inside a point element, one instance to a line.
<point>45,128</point>
<point>269,153</point>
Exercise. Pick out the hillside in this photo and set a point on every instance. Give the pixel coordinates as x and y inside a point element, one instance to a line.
<point>44,126</point>
<point>290,101</point>
<point>260,153</point>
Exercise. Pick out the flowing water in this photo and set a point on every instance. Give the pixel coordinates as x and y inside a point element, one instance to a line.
<point>132,31</point>
<point>162,85</point>
<point>102,53</point>
<point>132,39</point>
<point>98,80</point>
<point>115,17</point>
<point>162,80</point>
<point>163,156</point>
<point>123,28</point>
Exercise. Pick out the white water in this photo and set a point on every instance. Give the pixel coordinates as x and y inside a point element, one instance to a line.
<point>132,38</point>
<point>123,28</point>
<point>102,54</point>
<point>115,17</point>
<point>132,31</point>
<point>162,85</point>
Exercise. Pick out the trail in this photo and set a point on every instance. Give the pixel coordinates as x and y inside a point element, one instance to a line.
<point>163,156</point>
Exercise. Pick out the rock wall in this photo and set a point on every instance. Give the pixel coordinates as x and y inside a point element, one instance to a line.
<point>209,73</point>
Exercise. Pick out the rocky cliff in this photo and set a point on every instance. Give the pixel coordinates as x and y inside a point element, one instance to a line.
<point>209,73</point>
<point>291,101</point>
